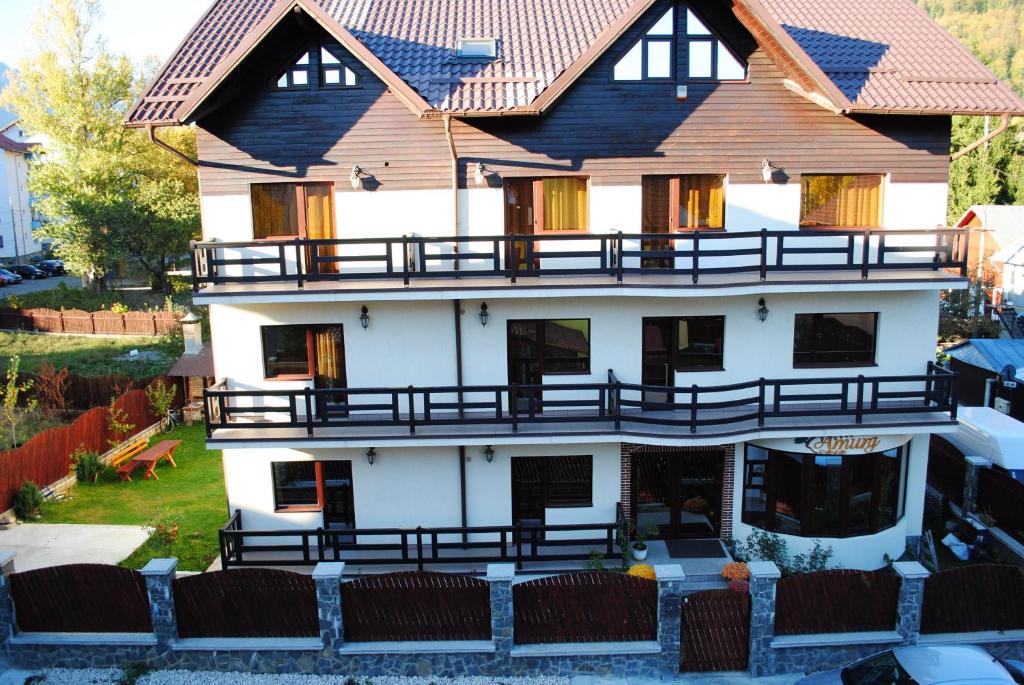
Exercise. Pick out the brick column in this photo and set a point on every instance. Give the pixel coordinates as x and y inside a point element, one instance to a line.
<point>670,606</point>
<point>908,608</point>
<point>764,575</point>
<point>500,578</point>
<point>159,575</point>
<point>972,472</point>
<point>327,576</point>
<point>6,602</point>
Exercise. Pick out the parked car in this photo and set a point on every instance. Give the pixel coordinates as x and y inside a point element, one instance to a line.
<point>11,277</point>
<point>54,267</point>
<point>947,664</point>
<point>28,271</point>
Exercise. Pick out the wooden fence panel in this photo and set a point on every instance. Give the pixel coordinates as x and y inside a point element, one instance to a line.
<point>974,598</point>
<point>586,607</point>
<point>715,631</point>
<point>103,322</point>
<point>840,601</point>
<point>81,598</point>
<point>251,602</point>
<point>1001,495</point>
<point>416,605</point>
<point>77,321</point>
<point>46,320</point>
<point>108,323</point>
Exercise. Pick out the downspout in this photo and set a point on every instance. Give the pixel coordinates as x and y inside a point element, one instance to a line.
<point>1004,123</point>
<point>173,150</point>
<point>457,313</point>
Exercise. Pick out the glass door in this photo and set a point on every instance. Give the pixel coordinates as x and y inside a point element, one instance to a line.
<point>656,218</point>
<point>524,358</point>
<point>329,371</point>
<point>339,505</point>
<point>656,364</point>
<point>679,492</point>
<point>519,218</point>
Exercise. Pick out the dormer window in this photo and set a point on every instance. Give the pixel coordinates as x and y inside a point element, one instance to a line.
<point>297,75</point>
<point>320,66</point>
<point>653,56</point>
<point>707,57</point>
<point>334,73</point>
<point>477,48</point>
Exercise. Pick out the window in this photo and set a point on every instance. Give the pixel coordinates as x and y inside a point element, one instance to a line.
<point>322,60</point>
<point>833,201</point>
<point>286,352</point>
<point>683,203</point>
<point>282,210</point>
<point>535,205</point>
<point>834,339</point>
<point>691,343</point>
<point>333,72</point>
<point>297,75</point>
<point>652,58</point>
<point>478,47</point>
<point>556,346</point>
<point>707,57</point>
<point>827,495</point>
<point>563,482</point>
<point>315,486</point>
<point>295,484</point>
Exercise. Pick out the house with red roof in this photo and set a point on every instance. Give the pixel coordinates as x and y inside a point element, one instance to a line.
<point>493,279</point>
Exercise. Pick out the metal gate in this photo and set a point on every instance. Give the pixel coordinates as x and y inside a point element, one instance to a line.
<point>715,631</point>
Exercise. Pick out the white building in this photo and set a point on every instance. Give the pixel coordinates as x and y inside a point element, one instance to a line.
<point>673,270</point>
<point>18,219</point>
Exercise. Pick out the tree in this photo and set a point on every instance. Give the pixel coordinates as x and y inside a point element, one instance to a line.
<point>109,192</point>
<point>11,395</point>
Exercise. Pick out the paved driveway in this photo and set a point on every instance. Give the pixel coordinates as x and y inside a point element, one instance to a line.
<point>42,284</point>
<point>53,544</point>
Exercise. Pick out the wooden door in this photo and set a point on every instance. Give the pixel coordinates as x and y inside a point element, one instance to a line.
<point>520,219</point>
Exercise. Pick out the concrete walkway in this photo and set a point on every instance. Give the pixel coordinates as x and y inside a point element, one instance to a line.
<point>52,544</point>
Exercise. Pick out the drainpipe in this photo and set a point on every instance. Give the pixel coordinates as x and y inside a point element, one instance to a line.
<point>1004,123</point>
<point>173,150</point>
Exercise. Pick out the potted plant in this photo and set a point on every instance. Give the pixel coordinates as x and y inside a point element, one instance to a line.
<point>640,536</point>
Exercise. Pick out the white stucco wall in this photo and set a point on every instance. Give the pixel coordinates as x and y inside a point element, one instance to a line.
<point>15,208</point>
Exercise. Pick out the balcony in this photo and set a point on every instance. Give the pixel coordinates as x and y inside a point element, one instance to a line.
<point>611,410</point>
<point>679,261</point>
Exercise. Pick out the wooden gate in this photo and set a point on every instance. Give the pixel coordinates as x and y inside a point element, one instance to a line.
<point>715,631</point>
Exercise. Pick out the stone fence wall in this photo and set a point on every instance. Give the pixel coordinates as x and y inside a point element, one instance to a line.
<point>330,653</point>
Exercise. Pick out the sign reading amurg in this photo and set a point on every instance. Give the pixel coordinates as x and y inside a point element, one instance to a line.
<point>836,444</point>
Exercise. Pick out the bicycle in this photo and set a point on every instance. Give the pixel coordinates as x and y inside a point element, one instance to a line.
<point>171,421</point>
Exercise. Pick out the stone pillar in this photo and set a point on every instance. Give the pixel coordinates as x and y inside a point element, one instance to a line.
<point>764,575</point>
<point>911,598</point>
<point>159,575</point>
<point>6,602</point>
<point>500,578</point>
<point>327,576</point>
<point>972,472</point>
<point>670,605</point>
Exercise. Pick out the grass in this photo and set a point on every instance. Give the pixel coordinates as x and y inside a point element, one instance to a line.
<point>65,297</point>
<point>92,355</point>
<point>192,494</point>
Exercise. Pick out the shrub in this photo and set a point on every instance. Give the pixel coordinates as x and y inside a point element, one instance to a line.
<point>160,397</point>
<point>165,528</point>
<point>643,571</point>
<point>28,501</point>
<point>120,308</point>
<point>696,505</point>
<point>736,570</point>
<point>763,546</point>
<point>51,388</point>
<point>741,586</point>
<point>86,465</point>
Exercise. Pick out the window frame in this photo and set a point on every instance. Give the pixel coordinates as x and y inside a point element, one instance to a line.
<point>674,341</point>
<point>537,198</point>
<point>836,365</point>
<point>674,197</point>
<point>881,201</point>
<point>342,65</point>
<point>770,484</point>
<point>490,56</point>
<point>717,43</point>
<point>545,476</point>
<point>310,354</point>
<point>301,198</point>
<point>541,343</point>
<point>293,65</point>
<point>299,508</point>
<point>643,41</point>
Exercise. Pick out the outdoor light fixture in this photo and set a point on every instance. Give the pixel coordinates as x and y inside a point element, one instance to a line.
<point>364,318</point>
<point>762,310</point>
<point>767,169</point>
<point>356,179</point>
<point>489,454</point>
<point>484,315</point>
<point>371,455</point>
<point>478,174</point>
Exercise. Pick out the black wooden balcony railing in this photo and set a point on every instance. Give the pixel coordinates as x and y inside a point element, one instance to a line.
<point>614,255</point>
<point>612,405</point>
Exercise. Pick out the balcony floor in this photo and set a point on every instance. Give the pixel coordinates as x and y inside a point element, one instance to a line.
<point>632,285</point>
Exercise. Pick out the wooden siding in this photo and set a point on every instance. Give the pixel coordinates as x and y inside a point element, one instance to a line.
<point>613,132</point>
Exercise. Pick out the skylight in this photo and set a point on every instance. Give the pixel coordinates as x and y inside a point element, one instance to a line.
<point>478,47</point>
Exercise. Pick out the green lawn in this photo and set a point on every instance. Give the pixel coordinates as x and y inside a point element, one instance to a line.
<point>92,355</point>
<point>193,494</point>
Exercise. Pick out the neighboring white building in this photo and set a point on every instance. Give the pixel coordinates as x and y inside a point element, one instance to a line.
<point>499,283</point>
<point>18,218</point>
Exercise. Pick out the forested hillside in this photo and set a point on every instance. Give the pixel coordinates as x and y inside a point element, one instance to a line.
<point>994,31</point>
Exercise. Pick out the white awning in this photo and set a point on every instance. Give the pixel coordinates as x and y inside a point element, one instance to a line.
<point>984,432</point>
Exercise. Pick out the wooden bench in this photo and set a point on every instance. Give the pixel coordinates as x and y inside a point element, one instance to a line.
<point>162,451</point>
<point>125,469</point>
<point>129,451</point>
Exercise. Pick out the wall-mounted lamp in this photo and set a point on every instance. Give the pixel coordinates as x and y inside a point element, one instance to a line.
<point>767,170</point>
<point>489,454</point>
<point>364,318</point>
<point>762,310</point>
<point>356,178</point>
<point>478,174</point>
<point>484,314</point>
<point>371,455</point>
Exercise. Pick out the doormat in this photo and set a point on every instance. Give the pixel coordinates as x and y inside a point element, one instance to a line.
<point>695,549</point>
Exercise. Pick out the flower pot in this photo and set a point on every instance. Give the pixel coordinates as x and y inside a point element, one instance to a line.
<point>639,553</point>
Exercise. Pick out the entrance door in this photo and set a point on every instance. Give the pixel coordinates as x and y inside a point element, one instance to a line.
<point>520,218</point>
<point>656,364</point>
<point>657,218</point>
<point>527,491</point>
<point>339,509</point>
<point>329,371</point>
<point>524,360</point>
<point>679,492</point>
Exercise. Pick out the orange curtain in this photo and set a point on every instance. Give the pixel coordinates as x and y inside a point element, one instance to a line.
<point>565,204</point>
<point>841,201</point>
<point>275,210</point>
<point>701,201</point>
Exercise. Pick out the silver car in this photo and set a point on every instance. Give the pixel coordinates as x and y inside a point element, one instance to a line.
<point>948,664</point>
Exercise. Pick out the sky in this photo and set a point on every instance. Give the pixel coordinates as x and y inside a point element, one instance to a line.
<point>138,28</point>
